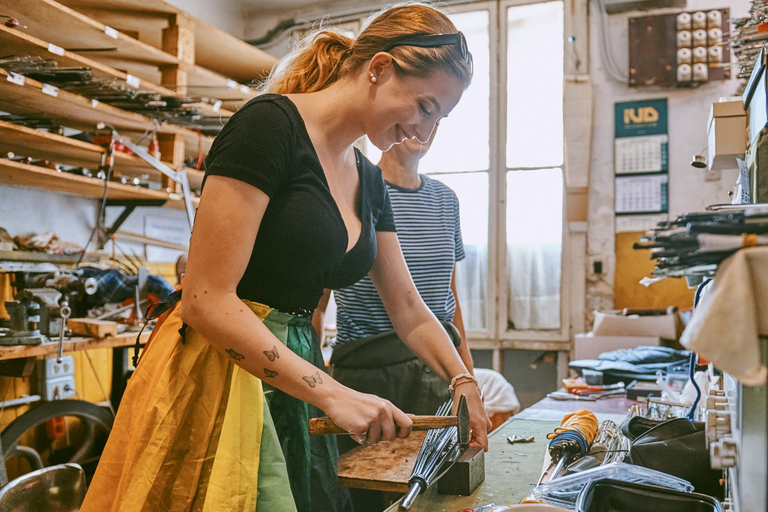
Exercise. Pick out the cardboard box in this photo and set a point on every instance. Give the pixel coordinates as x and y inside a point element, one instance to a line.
<point>727,134</point>
<point>590,346</point>
<point>608,324</point>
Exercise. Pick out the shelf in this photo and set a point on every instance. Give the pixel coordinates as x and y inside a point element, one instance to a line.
<point>64,150</point>
<point>79,112</point>
<point>42,257</point>
<point>215,49</point>
<point>51,21</point>
<point>25,175</point>
<point>127,339</point>
<point>71,30</point>
<point>17,42</point>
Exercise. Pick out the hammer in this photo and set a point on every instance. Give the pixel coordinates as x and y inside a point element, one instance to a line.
<point>326,426</point>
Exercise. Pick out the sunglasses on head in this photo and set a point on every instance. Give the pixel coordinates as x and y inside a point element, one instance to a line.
<point>432,41</point>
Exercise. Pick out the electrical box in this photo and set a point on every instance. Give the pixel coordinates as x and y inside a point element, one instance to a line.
<point>56,380</point>
<point>685,49</point>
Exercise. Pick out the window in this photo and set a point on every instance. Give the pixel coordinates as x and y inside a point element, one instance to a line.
<point>501,151</point>
<point>534,159</point>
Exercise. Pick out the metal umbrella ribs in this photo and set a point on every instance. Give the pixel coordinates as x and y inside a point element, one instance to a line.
<point>441,449</point>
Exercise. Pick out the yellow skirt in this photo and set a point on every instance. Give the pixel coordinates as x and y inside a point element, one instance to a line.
<point>192,433</point>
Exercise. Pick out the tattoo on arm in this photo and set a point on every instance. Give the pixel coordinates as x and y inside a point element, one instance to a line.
<point>270,373</point>
<point>313,380</point>
<point>237,356</point>
<point>272,354</point>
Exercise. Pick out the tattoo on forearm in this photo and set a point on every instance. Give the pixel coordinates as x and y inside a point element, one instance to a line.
<point>313,380</point>
<point>272,354</point>
<point>237,356</point>
<point>270,373</point>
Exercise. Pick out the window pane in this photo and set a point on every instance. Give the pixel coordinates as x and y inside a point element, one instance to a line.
<point>463,142</point>
<point>535,85</point>
<point>472,271</point>
<point>534,248</point>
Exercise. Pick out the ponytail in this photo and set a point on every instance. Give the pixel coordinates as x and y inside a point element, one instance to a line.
<point>313,66</point>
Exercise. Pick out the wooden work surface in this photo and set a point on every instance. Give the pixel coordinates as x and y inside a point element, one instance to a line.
<point>511,471</point>
<point>126,339</point>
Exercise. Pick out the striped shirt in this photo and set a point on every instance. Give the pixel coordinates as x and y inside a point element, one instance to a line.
<point>429,230</point>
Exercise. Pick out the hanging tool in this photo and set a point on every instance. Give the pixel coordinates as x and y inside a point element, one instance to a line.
<point>65,311</point>
<point>441,449</point>
<point>570,441</point>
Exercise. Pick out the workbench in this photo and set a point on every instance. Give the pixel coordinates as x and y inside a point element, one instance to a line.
<point>511,471</point>
<point>74,344</point>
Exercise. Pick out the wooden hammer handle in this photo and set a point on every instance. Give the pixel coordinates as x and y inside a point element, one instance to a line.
<point>325,426</point>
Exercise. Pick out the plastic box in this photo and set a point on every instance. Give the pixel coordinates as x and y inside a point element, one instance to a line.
<point>564,491</point>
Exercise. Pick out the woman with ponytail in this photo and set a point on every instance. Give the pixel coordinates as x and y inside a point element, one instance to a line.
<point>215,416</point>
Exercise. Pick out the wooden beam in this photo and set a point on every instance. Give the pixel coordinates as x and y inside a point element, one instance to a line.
<point>91,327</point>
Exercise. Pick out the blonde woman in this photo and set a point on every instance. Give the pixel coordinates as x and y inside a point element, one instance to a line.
<point>215,416</point>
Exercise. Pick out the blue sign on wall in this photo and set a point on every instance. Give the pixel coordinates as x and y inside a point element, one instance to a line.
<point>639,118</point>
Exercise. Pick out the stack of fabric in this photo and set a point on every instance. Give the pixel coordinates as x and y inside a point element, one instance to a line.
<point>695,244</point>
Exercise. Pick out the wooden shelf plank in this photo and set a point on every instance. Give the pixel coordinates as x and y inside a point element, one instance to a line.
<point>64,150</point>
<point>69,29</point>
<point>16,42</point>
<point>79,112</point>
<point>15,173</point>
<point>126,339</point>
<point>215,49</point>
<point>42,257</point>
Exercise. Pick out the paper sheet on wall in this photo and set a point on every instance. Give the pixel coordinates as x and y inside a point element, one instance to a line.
<point>641,194</point>
<point>641,154</point>
<point>170,230</point>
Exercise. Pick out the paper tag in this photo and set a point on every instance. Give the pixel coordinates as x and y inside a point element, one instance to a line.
<point>50,90</point>
<point>245,89</point>
<point>15,78</point>
<point>94,103</point>
<point>133,81</point>
<point>232,84</point>
<point>56,50</point>
<point>110,32</point>
<point>217,106</point>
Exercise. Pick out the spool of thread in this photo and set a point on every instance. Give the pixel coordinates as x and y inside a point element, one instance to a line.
<point>683,56</point>
<point>700,73</point>
<point>684,73</point>
<point>700,37</point>
<point>684,39</point>
<point>714,36</point>
<point>715,54</point>
<point>714,18</point>
<point>699,19</point>
<point>684,21</point>
<point>700,55</point>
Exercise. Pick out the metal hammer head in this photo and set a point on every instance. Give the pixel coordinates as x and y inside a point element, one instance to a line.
<point>462,413</point>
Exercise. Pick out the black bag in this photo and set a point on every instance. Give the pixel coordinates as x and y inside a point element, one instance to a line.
<point>678,447</point>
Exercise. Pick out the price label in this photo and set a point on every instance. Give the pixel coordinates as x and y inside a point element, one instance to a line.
<point>50,90</point>
<point>217,106</point>
<point>133,81</point>
<point>56,50</point>
<point>232,84</point>
<point>15,78</point>
<point>110,32</point>
<point>94,103</point>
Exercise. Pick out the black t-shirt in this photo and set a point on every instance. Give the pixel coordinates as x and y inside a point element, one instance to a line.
<point>301,244</point>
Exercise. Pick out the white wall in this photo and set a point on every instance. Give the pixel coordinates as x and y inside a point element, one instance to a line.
<point>688,110</point>
<point>224,14</point>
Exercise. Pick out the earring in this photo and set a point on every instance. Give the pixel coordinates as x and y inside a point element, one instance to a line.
<point>373,78</point>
